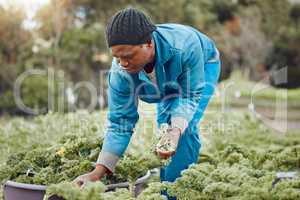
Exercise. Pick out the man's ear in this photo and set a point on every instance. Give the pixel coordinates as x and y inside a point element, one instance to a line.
<point>150,43</point>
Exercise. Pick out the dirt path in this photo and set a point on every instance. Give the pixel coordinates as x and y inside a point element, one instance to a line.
<point>285,121</point>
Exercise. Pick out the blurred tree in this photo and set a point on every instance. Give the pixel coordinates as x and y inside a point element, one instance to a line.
<point>283,29</point>
<point>76,37</point>
<point>245,44</point>
<point>13,37</point>
<point>252,35</point>
<point>17,54</point>
<point>295,14</point>
<point>275,14</point>
<point>12,33</point>
<point>78,48</point>
<point>91,11</point>
<point>54,19</point>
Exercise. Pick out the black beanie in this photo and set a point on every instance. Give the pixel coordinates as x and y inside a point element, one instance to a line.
<point>129,26</point>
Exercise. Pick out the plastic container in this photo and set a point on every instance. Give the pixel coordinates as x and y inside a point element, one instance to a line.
<point>18,191</point>
<point>138,184</point>
<point>21,191</point>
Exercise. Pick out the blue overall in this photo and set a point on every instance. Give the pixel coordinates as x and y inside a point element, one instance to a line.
<point>187,68</point>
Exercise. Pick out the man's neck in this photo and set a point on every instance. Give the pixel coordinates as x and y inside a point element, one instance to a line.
<point>149,67</point>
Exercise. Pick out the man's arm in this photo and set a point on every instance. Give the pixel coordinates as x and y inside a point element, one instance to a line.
<point>122,118</point>
<point>192,82</point>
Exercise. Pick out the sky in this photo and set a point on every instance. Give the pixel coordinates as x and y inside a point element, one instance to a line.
<point>30,7</point>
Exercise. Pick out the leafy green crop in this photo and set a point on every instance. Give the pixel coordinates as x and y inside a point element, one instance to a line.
<point>167,145</point>
<point>70,157</point>
<point>239,173</point>
<point>236,163</point>
<point>95,191</point>
<point>240,163</point>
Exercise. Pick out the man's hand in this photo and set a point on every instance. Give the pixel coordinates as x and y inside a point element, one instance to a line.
<point>93,176</point>
<point>167,145</point>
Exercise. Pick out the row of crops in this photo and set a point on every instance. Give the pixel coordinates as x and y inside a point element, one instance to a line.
<point>240,158</point>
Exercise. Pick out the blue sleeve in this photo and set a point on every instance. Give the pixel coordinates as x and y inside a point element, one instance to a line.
<point>191,81</point>
<point>122,112</point>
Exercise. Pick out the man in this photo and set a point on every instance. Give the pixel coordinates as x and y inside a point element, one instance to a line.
<point>172,65</point>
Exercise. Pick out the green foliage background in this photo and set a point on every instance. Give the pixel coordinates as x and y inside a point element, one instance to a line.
<point>252,35</point>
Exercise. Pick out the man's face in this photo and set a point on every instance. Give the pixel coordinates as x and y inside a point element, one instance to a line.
<point>133,58</point>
